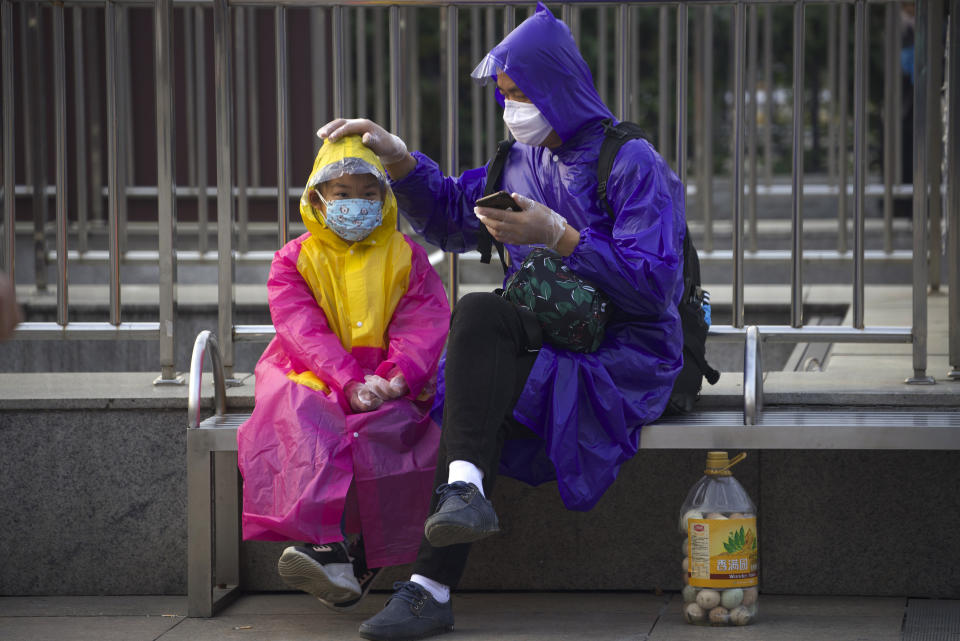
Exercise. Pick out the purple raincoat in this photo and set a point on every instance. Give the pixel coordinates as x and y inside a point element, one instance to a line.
<point>587,408</point>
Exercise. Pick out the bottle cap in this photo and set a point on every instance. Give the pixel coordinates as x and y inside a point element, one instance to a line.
<point>719,463</point>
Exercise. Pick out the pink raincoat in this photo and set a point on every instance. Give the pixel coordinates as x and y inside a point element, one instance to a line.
<point>343,310</point>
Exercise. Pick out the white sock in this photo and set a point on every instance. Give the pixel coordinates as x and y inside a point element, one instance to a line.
<point>438,591</point>
<point>466,471</point>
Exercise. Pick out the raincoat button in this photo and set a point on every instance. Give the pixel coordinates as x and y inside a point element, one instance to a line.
<point>356,435</point>
<point>351,252</point>
<point>359,323</point>
<point>556,158</point>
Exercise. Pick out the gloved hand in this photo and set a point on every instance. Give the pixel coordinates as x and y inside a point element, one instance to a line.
<point>536,224</point>
<point>387,389</point>
<point>363,398</point>
<point>388,147</point>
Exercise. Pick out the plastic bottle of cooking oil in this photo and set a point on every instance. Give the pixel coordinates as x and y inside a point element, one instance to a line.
<point>721,551</point>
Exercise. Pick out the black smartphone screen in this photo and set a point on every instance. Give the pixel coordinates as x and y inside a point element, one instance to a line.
<point>499,200</point>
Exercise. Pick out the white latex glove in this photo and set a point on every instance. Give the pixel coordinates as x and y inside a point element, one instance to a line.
<point>536,225</point>
<point>363,398</point>
<point>387,389</point>
<point>388,147</point>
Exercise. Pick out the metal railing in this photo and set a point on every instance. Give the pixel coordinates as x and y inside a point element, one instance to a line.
<point>237,82</point>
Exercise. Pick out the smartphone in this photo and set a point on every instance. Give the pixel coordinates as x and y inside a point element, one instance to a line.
<point>499,200</point>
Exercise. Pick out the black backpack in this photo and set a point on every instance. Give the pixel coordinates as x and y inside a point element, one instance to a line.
<point>686,389</point>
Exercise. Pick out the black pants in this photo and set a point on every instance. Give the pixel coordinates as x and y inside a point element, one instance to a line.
<point>490,352</point>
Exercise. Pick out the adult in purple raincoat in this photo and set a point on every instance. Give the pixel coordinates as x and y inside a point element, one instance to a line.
<point>584,412</point>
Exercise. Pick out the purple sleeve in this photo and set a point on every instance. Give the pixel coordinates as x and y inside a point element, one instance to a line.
<point>639,264</point>
<point>439,207</point>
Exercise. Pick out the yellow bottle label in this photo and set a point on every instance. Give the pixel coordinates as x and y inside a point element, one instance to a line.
<point>723,553</point>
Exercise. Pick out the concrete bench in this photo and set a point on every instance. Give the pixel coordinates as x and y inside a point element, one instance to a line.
<point>213,483</point>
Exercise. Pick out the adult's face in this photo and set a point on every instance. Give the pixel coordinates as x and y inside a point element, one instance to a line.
<point>511,91</point>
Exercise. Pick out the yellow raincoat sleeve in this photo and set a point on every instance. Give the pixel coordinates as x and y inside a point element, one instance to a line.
<point>302,326</point>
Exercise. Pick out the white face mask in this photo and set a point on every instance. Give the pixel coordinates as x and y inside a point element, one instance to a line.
<point>525,122</point>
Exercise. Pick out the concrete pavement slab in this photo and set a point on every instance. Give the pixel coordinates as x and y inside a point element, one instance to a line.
<point>86,628</point>
<point>788,618</point>
<point>92,606</point>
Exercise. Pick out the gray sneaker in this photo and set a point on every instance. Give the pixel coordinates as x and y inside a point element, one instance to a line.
<point>411,613</point>
<point>463,516</point>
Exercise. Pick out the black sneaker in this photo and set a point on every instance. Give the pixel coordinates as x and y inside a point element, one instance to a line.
<point>411,613</point>
<point>364,575</point>
<point>325,571</point>
<point>463,515</point>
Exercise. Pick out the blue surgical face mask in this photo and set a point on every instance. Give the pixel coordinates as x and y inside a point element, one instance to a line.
<point>353,219</point>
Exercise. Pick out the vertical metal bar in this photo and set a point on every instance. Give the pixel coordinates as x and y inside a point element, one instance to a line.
<point>699,134</point>
<point>283,178</point>
<point>410,39</point>
<point>190,57</point>
<point>859,155</point>
<point>768,92</point>
<point>509,21</point>
<point>707,53</point>
<point>166,198</point>
<point>752,46</point>
<point>9,218</point>
<point>935,138</point>
<point>348,63</point>
<point>566,13</point>
<point>253,93</point>
<point>489,106</point>
<point>336,39</point>
<point>842,154</point>
<point>898,102</point>
<point>681,105</point>
<point>891,84</point>
<point>124,116</point>
<point>396,71</point>
<point>60,128</point>
<point>739,17</point>
<point>36,142</point>
<point>796,272</point>
<point>223,80</point>
<point>318,69</point>
<point>80,135</point>
<point>200,78</point>
<point>360,62</point>
<point>476,107</point>
<point>924,27</point>
<point>623,62</point>
<point>953,193</point>
<point>832,88</point>
<point>113,158</point>
<point>94,125</point>
<point>663,59</point>
<point>451,124</point>
<point>602,73</point>
<point>379,74</point>
<point>242,155</point>
<point>635,82</point>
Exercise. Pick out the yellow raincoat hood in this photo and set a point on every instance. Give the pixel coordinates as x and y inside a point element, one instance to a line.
<point>358,285</point>
<point>334,152</point>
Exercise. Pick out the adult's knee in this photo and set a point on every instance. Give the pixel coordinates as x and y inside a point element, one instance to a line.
<point>479,311</point>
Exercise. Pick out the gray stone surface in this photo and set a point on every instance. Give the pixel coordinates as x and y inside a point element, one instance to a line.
<point>93,502</point>
<point>512,616</point>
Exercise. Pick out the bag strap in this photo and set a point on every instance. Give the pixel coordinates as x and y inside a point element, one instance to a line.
<point>614,137</point>
<point>494,174</point>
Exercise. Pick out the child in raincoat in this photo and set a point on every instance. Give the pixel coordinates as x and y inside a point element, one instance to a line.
<point>341,440</point>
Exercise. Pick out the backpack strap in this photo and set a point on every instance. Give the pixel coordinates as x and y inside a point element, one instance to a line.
<point>494,174</point>
<point>614,137</point>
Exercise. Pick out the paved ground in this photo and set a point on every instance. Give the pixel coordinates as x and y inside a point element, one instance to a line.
<point>479,617</point>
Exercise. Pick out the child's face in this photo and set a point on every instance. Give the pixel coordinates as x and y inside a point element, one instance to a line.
<point>347,187</point>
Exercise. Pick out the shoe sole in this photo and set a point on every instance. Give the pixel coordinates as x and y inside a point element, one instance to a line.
<point>330,583</point>
<point>373,636</point>
<point>445,534</point>
<point>341,607</point>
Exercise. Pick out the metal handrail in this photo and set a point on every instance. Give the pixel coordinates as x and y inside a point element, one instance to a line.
<point>752,376</point>
<point>205,341</point>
